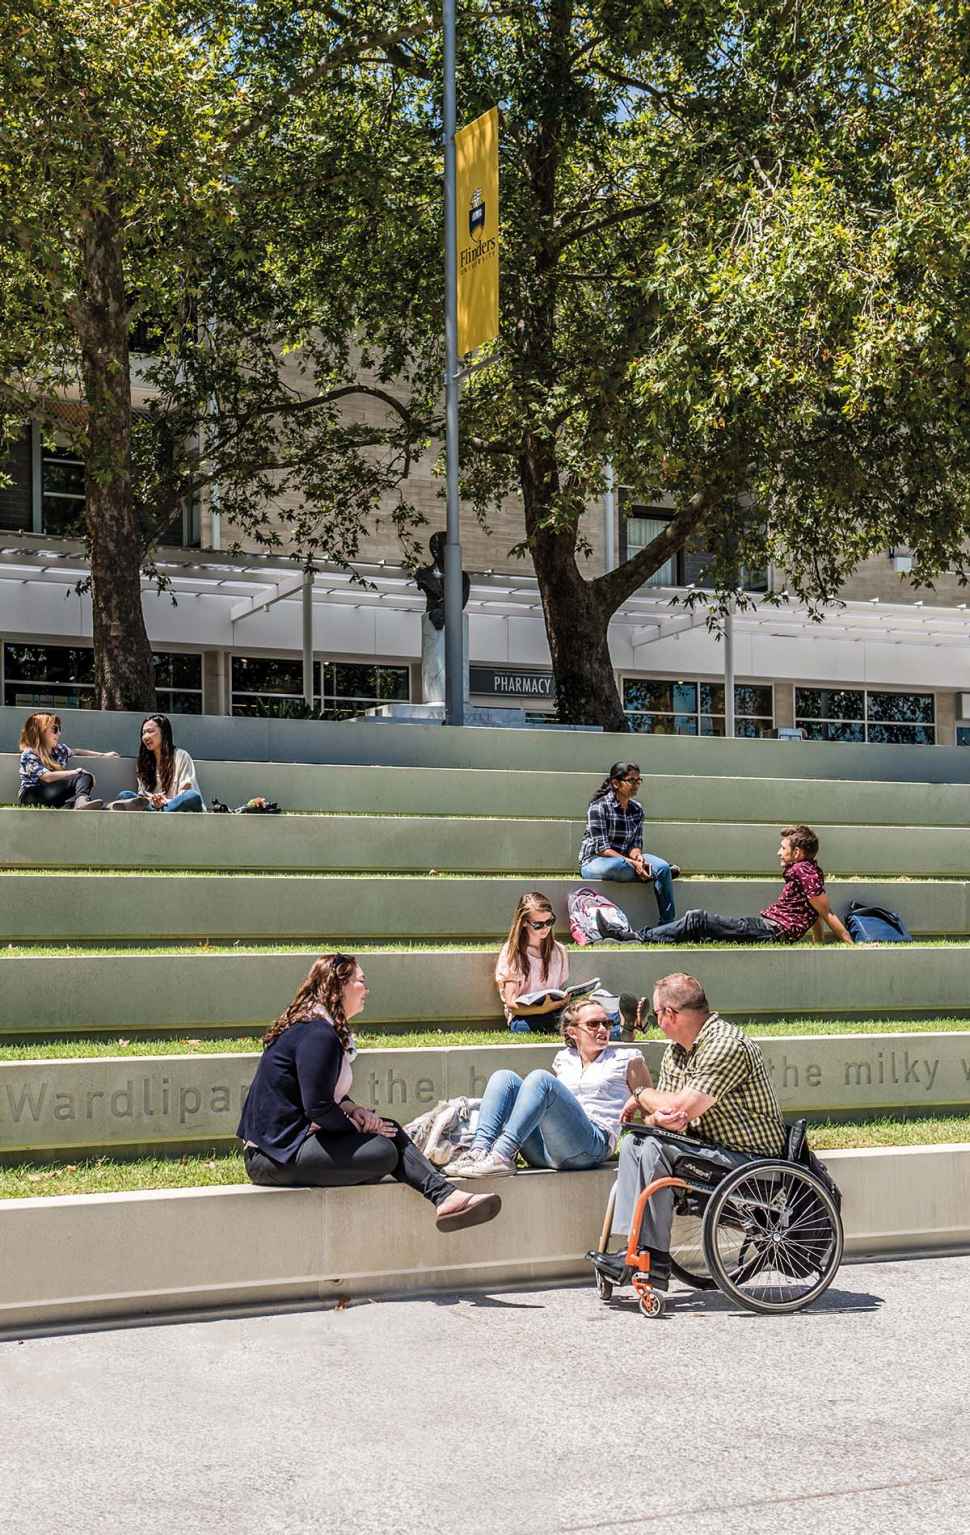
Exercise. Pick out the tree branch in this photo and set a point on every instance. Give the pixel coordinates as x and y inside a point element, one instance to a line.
<point>615,586</point>
<point>394,54</point>
<point>619,217</point>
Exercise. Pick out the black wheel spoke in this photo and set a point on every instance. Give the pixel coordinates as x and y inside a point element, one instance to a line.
<point>792,1240</point>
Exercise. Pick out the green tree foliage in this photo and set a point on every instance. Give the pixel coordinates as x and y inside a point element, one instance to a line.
<point>219,178</point>
<point>734,264</point>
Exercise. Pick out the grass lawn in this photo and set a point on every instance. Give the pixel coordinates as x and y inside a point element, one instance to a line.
<point>433,1039</point>
<point>106,1176</point>
<point>161,950</point>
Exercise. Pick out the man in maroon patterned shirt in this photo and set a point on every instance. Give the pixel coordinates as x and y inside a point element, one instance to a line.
<point>801,907</point>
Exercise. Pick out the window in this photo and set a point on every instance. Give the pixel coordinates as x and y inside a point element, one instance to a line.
<point>349,688</point>
<point>275,687</point>
<point>178,682</point>
<point>639,526</point>
<point>62,491</point>
<point>656,707</point>
<point>268,687</point>
<point>856,714</point>
<point>62,677</point>
<point>62,502</point>
<point>963,735</point>
<point>48,677</point>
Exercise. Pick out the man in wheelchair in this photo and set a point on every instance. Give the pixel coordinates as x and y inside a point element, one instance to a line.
<point>713,1088</point>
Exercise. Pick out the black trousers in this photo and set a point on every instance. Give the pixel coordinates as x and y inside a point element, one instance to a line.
<point>61,793</point>
<point>699,926</point>
<point>336,1161</point>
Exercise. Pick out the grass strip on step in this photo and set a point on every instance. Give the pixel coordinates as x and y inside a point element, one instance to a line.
<point>219,948</point>
<point>101,871</point>
<point>106,1175</point>
<point>378,1038</point>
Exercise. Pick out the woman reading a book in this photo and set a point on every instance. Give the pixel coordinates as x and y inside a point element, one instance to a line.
<point>531,960</point>
<point>566,1119</point>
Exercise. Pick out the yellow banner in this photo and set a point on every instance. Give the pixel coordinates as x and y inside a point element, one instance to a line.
<point>476,155</point>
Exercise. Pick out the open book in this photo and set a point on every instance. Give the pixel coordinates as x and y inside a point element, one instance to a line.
<point>556,994</point>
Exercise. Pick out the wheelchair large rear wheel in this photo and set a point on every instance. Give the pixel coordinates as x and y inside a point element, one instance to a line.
<point>772,1237</point>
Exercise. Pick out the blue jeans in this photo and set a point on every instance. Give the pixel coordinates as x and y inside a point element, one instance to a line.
<point>189,799</point>
<point>541,1119</point>
<point>620,869</point>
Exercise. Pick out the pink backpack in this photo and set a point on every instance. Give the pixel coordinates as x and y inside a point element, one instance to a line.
<point>582,906</point>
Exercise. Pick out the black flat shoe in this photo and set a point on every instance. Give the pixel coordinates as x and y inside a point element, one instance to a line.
<point>612,1266</point>
<point>632,1011</point>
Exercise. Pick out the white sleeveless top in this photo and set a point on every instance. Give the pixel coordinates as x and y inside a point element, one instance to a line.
<point>600,1087</point>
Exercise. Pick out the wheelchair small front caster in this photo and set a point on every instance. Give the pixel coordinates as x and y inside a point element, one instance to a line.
<point>651,1304</point>
<point>604,1287</point>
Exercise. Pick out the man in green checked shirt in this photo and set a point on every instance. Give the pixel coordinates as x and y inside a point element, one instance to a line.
<point>713,1087</point>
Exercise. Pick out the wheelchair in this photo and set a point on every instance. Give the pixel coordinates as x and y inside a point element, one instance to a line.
<point>767,1234</point>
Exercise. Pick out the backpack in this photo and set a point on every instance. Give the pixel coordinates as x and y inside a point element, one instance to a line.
<point>583,905</point>
<point>875,924</point>
<point>446,1129</point>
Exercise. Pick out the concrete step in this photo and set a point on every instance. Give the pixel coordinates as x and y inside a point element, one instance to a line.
<point>219,908</point>
<point>385,843</point>
<point>157,993</point>
<point>167,1104</point>
<point>540,793</point>
<point>78,1259</point>
<point>215,738</point>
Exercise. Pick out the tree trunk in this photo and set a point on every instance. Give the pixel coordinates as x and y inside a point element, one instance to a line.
<point>576,616</point>
<point>124,674</point>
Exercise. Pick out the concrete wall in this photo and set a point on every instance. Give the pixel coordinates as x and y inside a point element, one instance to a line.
<point>321,909</point>
<point>211,738</point>
<point>147,995</point>
<point>517,792</point>
<point>123,1103</point>
<point>427,844</point>
<point>78,1259</point>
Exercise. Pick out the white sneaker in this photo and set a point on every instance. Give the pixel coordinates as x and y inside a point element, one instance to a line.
<point>491,1165</point>
<point>470,1157</point>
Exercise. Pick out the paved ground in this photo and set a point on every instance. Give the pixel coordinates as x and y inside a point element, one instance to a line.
<point>542,1412</point>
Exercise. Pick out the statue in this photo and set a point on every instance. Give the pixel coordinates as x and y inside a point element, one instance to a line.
<point>431,580</point>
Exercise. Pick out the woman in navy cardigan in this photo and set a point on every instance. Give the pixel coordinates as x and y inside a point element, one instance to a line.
<point>301,1128</point>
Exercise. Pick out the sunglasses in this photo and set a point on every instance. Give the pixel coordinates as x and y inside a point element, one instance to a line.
<point>546,922</point>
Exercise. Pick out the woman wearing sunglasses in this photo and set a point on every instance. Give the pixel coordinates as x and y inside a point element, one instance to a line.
<point>530,958</point>
<point>567,1119</point>
<point>300,1127</point>
<point>46,775</point>
<point>612,847</point>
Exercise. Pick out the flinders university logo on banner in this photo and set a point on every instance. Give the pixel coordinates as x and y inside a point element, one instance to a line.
<point>476,213</point>
<point>476,155</point>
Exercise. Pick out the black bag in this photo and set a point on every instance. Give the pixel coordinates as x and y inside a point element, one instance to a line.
<point>875,924</point>
<point>256,806</point>
<point>798,1150</point>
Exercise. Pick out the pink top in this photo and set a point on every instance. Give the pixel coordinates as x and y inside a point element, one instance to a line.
<point>534,980</point>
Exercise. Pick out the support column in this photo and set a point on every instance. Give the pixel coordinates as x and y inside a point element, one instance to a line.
<point>729,669</point>
<point>308,688</point>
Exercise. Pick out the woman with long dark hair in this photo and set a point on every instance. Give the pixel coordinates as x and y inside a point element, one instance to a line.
<point>166,773</point>
<point>301,1128</point>
<point>612,847</point>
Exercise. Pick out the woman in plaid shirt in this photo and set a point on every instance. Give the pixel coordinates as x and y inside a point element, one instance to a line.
<point>612,847</point>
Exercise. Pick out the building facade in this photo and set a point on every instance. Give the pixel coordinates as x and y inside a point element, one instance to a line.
<point>890,664</point>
